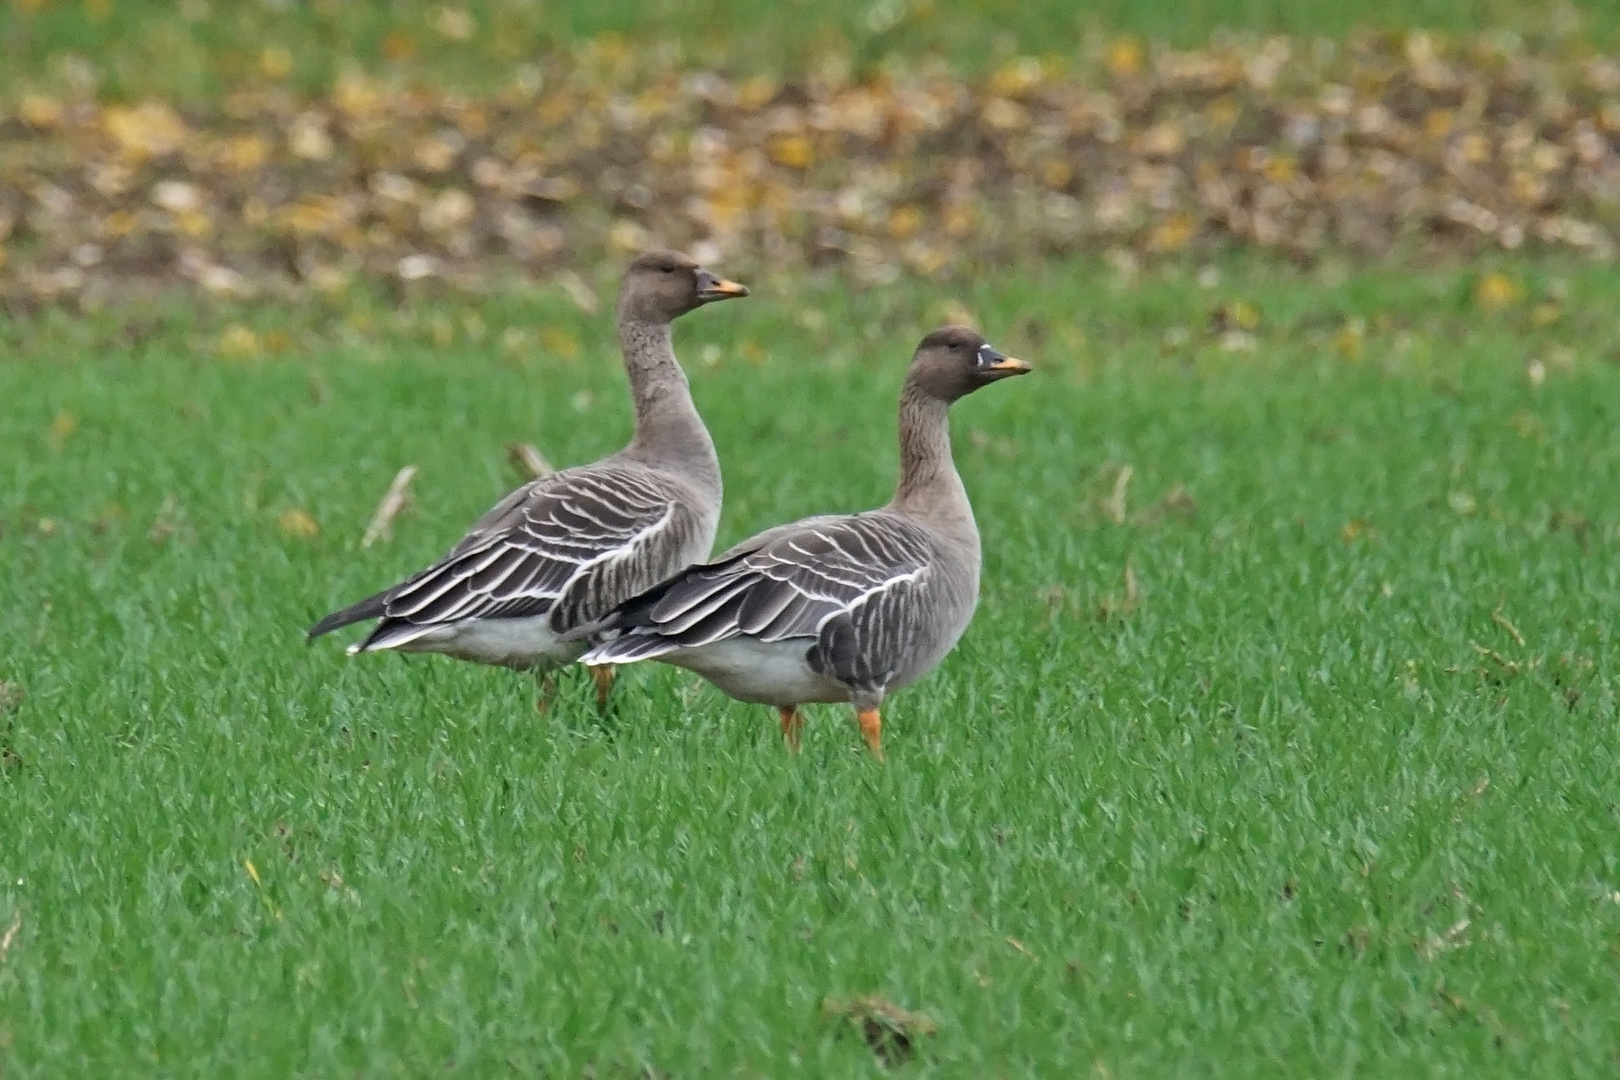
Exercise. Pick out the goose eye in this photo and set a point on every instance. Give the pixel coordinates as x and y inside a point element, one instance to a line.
<point>668,268</point>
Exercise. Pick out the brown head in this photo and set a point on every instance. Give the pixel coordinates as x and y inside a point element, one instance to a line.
<point>954,361</point>
<point>661,286</point>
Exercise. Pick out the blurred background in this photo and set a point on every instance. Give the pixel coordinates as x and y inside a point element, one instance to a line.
<point>274,145</point>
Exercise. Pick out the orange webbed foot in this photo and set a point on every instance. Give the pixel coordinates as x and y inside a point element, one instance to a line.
<point>872,730</point>
<point>603,678</point>
<point>792,722</point>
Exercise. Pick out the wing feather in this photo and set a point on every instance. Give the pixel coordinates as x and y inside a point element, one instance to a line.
<point>790,582</point>
<point>571,545</point>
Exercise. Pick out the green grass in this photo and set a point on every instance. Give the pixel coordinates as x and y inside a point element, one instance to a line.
<point>1310,809</point>
<point>195,48</point>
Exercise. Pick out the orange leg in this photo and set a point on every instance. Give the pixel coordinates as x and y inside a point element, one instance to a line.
<point>603,677</point>
<point>792,721</point>
<point>872,729</point>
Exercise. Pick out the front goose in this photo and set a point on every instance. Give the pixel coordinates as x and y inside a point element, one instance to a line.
<point>568,547</point>
<point>837,608</point>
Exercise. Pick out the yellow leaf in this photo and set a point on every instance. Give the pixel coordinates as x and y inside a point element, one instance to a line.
<point>905,222</point>
<point>397,45</point>
<point>297,523</point>
<point>1017,78</point>
<point>1281,169</point>
<point>147,130</point>
<point>1223,112</point>
<point>1004,115</point>
<point>245,153</point>
<point>1172,234</point>
<point>193,223</point>
<point>315,215</point>
<point>308,139</point>
<point>628,236</point>
<point>62,427</point>
<point>436,153</point>
<point>1125,57</point>
<point>757,92</point>
<point>253,872</point>
<point>275,61</point>
<point>1162,140</point>
<point>960,219</point>
<point>1349,338</point>
<point>792,151</point>
<point>355,95</point>
<point>1239,315</point>
<point>39,111</point>
<point>450,209</point>
<point>1056,173</point>
<point>238,340</point>
<point>1497,291</point>
<point>559,342</point>
<point>1475,148</point>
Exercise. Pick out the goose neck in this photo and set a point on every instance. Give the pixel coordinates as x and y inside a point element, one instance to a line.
<point>929,486</point>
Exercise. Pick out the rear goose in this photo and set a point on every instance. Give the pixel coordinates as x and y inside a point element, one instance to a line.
<point>568,547</point>
<point>836,608</point>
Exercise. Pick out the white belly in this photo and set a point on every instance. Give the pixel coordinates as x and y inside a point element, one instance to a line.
<point>515,643</point>
<point>767,673</point>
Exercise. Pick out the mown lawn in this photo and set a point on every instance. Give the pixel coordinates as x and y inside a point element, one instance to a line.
<point>1331,789</point>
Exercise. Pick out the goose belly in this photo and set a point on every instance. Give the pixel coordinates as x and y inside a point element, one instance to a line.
<point>515,643</point>
<point>766,673</point>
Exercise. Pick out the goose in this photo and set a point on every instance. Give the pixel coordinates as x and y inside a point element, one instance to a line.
<point>568,547</point>
<point>842,608</point>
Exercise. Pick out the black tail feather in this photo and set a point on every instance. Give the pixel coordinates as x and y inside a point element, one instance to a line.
<point>371,607</point>
<point>634,613</point>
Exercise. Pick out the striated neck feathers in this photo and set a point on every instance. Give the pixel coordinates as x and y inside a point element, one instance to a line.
<point>668,430</point>
<point>930,489</point>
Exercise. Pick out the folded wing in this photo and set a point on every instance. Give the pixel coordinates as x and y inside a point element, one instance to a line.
<point>796,581</point>
<point>569,545</point>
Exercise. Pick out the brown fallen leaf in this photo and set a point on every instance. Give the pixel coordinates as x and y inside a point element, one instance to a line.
<point>166,522</point>
<point>299,524</point>
<point>1135,150</point>
<point>62,426</point>
<point>889,1030</point>
<point>393,501</point>
<point>1354,529</point>
<point>1177,502</point>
